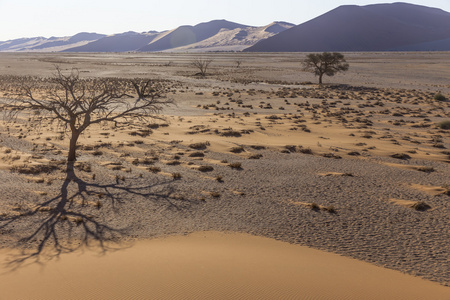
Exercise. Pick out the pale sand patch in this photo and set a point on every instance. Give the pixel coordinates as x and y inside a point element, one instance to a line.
<point>401,202</point>
<point>431,190</point>
<point>407,167</point>
<point>212,265</point>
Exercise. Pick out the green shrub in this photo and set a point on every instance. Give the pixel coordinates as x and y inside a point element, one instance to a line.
<point>439,97</point>
<point>444,124</point>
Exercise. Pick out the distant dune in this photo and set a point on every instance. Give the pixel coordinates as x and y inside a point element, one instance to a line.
<point>380,27</point>
<point>217,35</point>
<point>377,27</point>
<point>123,42</point>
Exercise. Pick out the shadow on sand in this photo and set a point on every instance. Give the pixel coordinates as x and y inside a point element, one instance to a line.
<point>64,224</point>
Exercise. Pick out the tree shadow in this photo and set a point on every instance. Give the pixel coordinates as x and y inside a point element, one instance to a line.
<point>62,224</point>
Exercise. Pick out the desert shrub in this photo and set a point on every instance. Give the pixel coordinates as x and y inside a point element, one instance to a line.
<point>255,156</point>
<point>154,169</point>
<point>205,168</point>
<point>35,169</point>
<point>329,209</point>
<point>235,165</point>
<point>239,149</point>
<point>197,154</point>
<point>84,166</point>
<point>444,124</point>
<point>439,97</point>
<point>231,133</point>
<point>215,194</point>
<point>354,153</point>
<point>420,206</point>
<point>400,156</point>
<point>291,148</point>
<point>258,147</point>
<point>97,153</point>
<point>173,163</point>
<point>314,206</point>
<point>199,146</point>
<point>425,169</point>
<point>305,150</point>
<point>219,178</point>
<point>176,175</point>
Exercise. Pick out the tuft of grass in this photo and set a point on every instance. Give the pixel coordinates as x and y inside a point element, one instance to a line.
<point>154,169</point>
<point>235,165</point>
<point>205,168</point>
<point>314,206</point>
<point>215,194</point>
<point>444,124</point>
<point>219,178</point>
<point>400,156</point>
<point>78,220</point>
<point>420,206</point>
<point>197,154</point>
<point>97,153</point>
<point>330,209</point>
<point>439,97</point>
<point>199,146</point>
<point>176,175</point>
<point>239,149</point>
<point>305,150</point>
<point>98,204</point>
<point>425,169</point>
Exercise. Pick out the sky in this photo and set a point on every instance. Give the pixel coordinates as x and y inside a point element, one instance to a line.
<point>31,18</point>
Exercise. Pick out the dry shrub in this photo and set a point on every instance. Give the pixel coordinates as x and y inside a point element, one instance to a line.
<point>199,146</point>
<point>421,206</point>
<point>205,168</point>
<point>35,169</point>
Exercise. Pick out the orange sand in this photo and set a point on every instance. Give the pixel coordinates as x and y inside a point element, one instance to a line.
<point>211,265</point>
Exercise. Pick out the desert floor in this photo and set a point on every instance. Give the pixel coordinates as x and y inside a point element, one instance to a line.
<point>258,149</point>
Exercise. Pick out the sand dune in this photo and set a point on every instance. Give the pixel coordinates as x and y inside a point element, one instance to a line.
<point>214,266</point>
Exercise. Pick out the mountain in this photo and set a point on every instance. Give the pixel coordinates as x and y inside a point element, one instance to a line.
<point>185,35</point>
<point>378,27</point>
<point>234,39</point>
<point>41,44</point>
<point>217,35</point>
<point>123,42</point>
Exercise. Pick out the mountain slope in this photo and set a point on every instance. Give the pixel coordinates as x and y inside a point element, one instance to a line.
<point>235,39</point>
<point>48,44</point>
<point>185,35</point>
<point>378,27</point>
<point>123,42</point>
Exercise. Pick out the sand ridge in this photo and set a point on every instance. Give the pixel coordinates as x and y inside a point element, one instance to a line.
<point>214,265</point>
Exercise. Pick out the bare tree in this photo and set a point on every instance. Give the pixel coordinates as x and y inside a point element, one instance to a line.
<point>238,63</point>
<point>325,63</point>
<point>78,103</point>
<point>202,65</point>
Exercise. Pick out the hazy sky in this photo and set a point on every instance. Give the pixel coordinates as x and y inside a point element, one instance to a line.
<point>29,18</point>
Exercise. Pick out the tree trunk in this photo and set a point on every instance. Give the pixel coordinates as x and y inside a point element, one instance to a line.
<point>320,78</point>
<point>73,147</point>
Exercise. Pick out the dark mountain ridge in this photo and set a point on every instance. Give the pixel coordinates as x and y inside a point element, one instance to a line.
<point>377,27</point>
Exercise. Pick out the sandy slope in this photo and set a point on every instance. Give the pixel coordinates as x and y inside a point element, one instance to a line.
<point>215,266</point>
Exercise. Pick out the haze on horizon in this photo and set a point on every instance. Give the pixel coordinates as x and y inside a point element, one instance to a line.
<point>28,18</point>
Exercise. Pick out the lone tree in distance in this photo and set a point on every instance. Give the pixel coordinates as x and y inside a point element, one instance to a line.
<point>202,65</point>
<point>325,63</point>
<point>78,103</point>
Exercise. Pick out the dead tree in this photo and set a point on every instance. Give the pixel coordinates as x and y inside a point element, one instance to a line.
<point>202,65</point>
<point>78,103</point>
